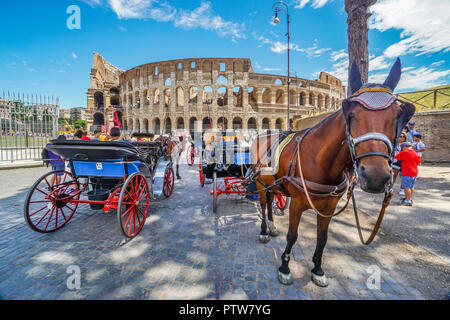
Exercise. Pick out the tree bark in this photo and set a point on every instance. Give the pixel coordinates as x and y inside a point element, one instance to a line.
<point>358,35</point>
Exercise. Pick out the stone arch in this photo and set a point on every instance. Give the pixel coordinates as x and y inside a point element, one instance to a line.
<point>278,82</point>
<point>266,124</point>
<point>168,82</point>
<point>237,123</point>
<point>180,123</point>
<point>320,101</point>
<point>145,128</point>
<point>222,123</point>
<point>279,97</point>
<point>146,97</point>
<point>125,125</point>
<point>293,97</point>
<point>157,126</point>
<point>180,97</point>
<point>207,95</point>
<point>253,97</point>
<point>237,96</point>
<point>302,98</point>
<point>137,98</point>
<point>327,102</point>
<point>115,100</point>
<point>206,124</point>
<point>251,123</point>
<point>222,96</point>
<point>156,96</point>
<point>168,126</point>
<point>279,124</point>
<point>167,97</point>
<point>266,95</point>
<point>193,94</point>
<point>130,99</point>
<point>130,86</point>
<point>311,98</point>
<point>99,100</point>
<point>222,80</point>
<point>99,119</point>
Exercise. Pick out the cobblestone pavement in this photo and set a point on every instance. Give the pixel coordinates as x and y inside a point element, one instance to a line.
<point>183,252</point>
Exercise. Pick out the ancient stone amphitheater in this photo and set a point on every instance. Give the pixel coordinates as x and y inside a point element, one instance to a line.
<point>188,94</point>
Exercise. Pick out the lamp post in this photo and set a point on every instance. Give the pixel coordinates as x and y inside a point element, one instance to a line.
<point>277,7</point>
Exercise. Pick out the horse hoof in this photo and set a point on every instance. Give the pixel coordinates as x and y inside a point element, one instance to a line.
<point>264,238</point>
<point>272,229</point>
<point>320,281</point>
<point>285,279</point>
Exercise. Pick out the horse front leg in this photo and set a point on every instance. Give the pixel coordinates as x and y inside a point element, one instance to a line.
<point>263,236</point>
<point>178,166</point>
<point>295,214</point>
<point>272,229</point>
<point>317,274</point>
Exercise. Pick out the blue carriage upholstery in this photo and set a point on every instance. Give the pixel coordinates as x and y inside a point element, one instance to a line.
<point>105,169</point>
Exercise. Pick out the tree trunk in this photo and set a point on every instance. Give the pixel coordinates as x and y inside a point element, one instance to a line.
<point>358,35</point>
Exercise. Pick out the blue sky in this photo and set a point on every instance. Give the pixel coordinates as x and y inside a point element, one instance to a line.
<point>40,55</point>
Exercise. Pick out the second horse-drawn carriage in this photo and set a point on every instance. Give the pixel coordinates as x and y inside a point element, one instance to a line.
<point>226,155</point>
<point>114,176</point>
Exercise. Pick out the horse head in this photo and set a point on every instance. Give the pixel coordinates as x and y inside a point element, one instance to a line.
<point>374,120</point>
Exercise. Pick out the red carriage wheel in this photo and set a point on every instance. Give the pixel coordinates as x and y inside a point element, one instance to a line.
<point>134,201</point>
<point>190,156</point>
<point>201,174</point>
<point>169,181</point>
<point>281,201</point>
<point>48,204</point>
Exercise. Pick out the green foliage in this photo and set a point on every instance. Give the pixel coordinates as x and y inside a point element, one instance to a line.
<point>80,124</point>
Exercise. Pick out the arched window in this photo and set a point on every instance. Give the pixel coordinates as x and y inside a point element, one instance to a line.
<point>237,123</point>
<point>266,124</point>
<point>168,126</point>
<point>180,123</point>
<point>279,124</point>
<point>251,123</point>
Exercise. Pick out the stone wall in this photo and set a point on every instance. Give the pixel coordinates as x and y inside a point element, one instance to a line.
<point>310,121</point>
<point>434,126</point>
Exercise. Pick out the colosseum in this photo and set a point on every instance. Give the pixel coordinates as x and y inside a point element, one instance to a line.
<point>160,97</point>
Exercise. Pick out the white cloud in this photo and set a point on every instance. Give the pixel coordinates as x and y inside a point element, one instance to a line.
<point>126,9</point>
<point>416,78</point>
<point>92,3</point>
<point>271,69</point>
<point>281,47</point>
<point>202,17</point>
<point>316,4</point>
<point>378,63</point>
<point>73,55</point>
<point>425,25</point>
<point>438,63</point>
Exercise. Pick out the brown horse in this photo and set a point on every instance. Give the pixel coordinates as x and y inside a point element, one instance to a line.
<point>325,155</point>
<point>174,148</point>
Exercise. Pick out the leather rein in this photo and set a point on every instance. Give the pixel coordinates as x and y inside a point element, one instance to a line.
<point>336,190</point>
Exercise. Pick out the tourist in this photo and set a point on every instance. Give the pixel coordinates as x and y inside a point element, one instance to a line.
<point>85,136</point>
<point>396,164</point>
<point>411,130</point>
<point>114,134</point>
<point>410,160</point>
<point>78,135</point>
<point>418,145</point>
<point>57,163</point>
<point>96,136</point>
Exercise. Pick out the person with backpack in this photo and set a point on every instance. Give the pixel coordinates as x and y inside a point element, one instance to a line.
<point>57,162</point>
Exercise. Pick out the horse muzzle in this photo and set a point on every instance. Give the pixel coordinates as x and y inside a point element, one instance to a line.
<point>374,179</point>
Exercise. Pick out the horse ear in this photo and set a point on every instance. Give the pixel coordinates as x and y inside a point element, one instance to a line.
<point>406,113</point>
<point>394,75</point>
<point>355,78</point>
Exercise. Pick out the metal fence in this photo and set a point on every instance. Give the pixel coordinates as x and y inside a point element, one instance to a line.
<point>428,99</point>
<point>27,124</point>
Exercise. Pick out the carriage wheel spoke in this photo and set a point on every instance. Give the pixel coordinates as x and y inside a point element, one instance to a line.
<point>38,211</point>
<point>56,220</point>
<point>62,212</point>
<point>123,214</point>
<point>49,218</point>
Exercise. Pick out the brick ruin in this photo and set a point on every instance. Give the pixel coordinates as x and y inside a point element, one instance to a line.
<point>163,96</point>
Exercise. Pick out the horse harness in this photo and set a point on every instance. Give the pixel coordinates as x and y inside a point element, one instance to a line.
<point>349,183</point>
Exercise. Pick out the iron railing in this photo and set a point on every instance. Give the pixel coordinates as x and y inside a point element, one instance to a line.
<point>27,123</point>
<point>434,103</point>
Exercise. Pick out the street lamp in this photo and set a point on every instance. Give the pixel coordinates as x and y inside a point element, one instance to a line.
<point>277,7</point>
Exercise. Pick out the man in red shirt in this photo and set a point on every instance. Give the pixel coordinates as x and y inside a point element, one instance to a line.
<point>410,160</point>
